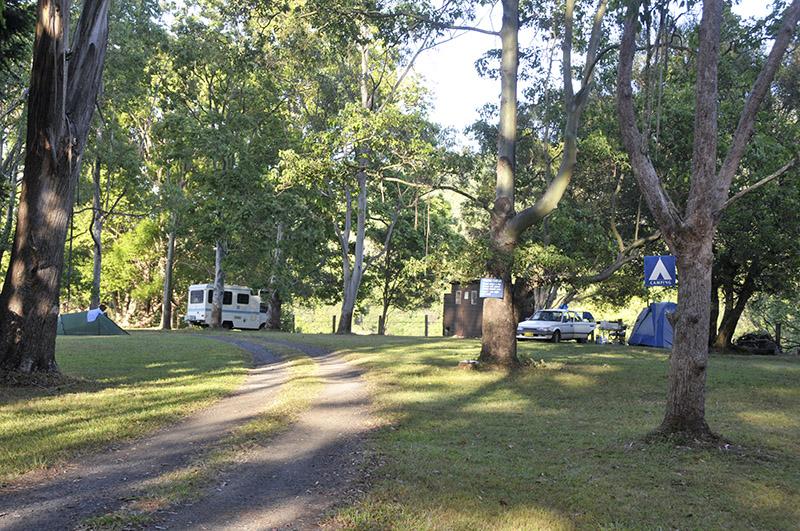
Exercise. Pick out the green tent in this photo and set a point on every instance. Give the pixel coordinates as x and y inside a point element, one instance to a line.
<point>74,324</point>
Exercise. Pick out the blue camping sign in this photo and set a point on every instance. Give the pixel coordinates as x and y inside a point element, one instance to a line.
<point>491,288</point>
<point>659,271</point>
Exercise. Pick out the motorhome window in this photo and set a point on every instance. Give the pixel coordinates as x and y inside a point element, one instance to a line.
<point>242,298</point>
<point>227,298</point>
<point>210,296</point>
<point>458,296</point>
<point>196,296</point>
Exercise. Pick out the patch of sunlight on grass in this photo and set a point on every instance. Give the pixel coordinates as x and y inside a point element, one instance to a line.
<point>189,482</point>
<point>772,501</point>
<point>775,420</point>
<point>562,448</point>
<point>574,380</point>
<point>124,389</point>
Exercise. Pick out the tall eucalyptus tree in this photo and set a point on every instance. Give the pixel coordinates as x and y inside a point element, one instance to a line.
<point>65,79</point>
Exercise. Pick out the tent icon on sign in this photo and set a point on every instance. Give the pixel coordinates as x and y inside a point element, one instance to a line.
<point>660,272</point>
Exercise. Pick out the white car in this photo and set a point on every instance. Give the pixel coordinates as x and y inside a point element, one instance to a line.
<point>556,325</point>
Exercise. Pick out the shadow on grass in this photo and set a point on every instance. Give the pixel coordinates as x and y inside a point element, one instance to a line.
<point>556,444</point>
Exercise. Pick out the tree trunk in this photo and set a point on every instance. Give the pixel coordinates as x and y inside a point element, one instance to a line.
<point>61,101</point>
<point>274,311</point>
<point>523,297</point>
<point>275,302</point>
<point>352,277</point>
<point>733,312</point>
<point>386,295</point>
<point>685,411</point>
<point>712,324</point>
<point>690,234</point>
<point>9,221</point>
<point>499,342</point>
<point>96,231</point>
<point>166,299</point>
<point>219,286</point>
<point>507,226</point>
<point>345,325</point>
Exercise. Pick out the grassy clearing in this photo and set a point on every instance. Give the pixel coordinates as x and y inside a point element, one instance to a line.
<point>124,387</point>
<point>188,483</point>
<point>557,446</point>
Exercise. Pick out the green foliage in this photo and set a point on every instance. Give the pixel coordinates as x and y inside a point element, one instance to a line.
<point>419,262</point>
<point>129,276</point>
<point>767,311</point>
<point>17,18</point>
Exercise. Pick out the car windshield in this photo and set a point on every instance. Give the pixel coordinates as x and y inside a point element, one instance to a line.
<point>544,315</point>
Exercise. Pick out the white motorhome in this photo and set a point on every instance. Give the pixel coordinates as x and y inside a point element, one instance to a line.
<point>240,307</point>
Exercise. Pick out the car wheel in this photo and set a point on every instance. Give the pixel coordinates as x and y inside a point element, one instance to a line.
<point>556,337</point>
<point>228,325</point>
<point>581,340</point>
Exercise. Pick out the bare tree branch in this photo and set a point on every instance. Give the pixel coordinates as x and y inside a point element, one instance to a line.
<point>786,167</point>
<point>625,256</point>
<point>436,187</point>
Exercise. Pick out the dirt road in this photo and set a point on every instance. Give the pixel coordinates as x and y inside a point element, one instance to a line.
<point>290,482</point>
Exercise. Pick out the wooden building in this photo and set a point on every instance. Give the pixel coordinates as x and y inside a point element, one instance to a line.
<point>463,311</point>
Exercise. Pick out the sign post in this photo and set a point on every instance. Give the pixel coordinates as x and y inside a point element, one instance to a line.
<point>491,288</point>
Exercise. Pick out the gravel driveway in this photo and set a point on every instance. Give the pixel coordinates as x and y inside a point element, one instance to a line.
<point>289,482</point>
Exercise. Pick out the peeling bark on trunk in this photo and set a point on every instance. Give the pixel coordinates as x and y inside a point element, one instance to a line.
<point>60,105</point>
<point>219,286</point>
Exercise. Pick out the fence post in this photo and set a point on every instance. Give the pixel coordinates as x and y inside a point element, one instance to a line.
<point>333,326</point>
<point>293,324</point>
<point>778,335</point>
<point>426,325</point>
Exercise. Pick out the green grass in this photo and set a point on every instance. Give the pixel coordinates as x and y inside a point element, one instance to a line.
<point>318,320</point>
<point>124,387</point>
<point>555,446</point>
<point>558,446</point>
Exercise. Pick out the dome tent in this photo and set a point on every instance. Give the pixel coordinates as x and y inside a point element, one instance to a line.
<point>652,328</point>
<point>75,324</point>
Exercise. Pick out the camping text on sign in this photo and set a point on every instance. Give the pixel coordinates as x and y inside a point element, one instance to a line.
<point>659,271</point>
<point>491,288</point>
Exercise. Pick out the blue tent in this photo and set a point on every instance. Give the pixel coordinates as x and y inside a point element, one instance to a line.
<point>652,329</point>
